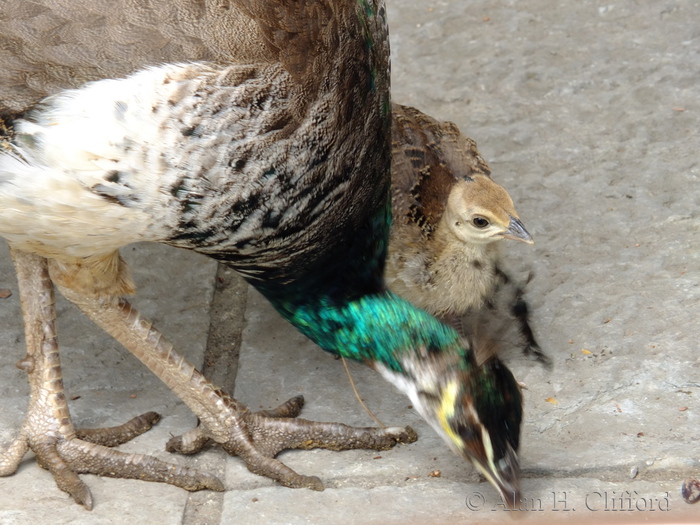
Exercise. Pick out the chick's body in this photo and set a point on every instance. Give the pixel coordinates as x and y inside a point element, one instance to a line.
<point>442,274</point>
<point>448,219</point>
<point>448,216</point>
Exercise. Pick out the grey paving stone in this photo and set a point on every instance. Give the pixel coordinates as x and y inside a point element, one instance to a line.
<point>440,502</point>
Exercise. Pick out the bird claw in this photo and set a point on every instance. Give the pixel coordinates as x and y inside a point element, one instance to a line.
<point>12,456</point>
<point>290,408</point>
<point>66,457</point>
<point>257,437</point>
<point>48,430</point>
<point>66,478</point>
<point>195,440</point>
<point>114,436</point>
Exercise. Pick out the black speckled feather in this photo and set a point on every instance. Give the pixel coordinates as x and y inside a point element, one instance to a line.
<point>428,158</point>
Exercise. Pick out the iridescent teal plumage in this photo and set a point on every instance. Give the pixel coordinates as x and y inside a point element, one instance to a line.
<point>342,305</point>
<point>374,328</point>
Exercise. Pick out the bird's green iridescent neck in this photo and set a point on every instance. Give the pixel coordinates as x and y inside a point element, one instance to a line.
<point>375,328</point>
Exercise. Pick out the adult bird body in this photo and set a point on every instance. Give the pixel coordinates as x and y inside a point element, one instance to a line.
<point>276,163</point>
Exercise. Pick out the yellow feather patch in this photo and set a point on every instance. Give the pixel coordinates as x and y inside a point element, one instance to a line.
<point>447,410</point>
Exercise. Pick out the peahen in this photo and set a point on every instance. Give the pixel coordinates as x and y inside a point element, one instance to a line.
<point>274,158</point>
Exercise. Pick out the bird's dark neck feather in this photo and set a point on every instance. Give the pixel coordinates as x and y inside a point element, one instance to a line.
<point>343,306</point>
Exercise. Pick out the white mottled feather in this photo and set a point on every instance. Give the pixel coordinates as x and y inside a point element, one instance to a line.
<point>77,139</point>
<point>56,192</point>
<point>51,213</point>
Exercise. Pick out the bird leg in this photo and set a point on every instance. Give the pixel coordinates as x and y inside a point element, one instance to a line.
<point>48,429</point>
<point>256,437</point>
<point>520,311</point>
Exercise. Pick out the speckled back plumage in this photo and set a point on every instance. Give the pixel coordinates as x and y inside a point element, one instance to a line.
<point>428,157</point>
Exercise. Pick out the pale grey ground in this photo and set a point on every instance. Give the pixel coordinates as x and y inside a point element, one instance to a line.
<point>589,113</point>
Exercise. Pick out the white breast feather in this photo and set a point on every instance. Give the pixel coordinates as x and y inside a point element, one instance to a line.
<point>77,140</point>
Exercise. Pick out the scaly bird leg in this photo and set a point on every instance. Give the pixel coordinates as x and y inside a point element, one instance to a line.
<point>48,430</point>
<point>256,437</point>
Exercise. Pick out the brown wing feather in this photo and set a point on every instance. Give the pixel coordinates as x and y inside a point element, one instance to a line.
<point>49,45</point>
<point>428,157</point>
<point>296,32</point>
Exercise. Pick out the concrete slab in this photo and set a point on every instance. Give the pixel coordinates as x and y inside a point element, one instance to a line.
<point>439,502</point>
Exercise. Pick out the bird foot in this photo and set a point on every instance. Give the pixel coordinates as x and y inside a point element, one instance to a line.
<point>66,456</point>
<point>257,437</point>
<point>48,429</point>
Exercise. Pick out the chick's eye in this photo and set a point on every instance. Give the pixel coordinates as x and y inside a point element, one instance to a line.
<point>480,222</point>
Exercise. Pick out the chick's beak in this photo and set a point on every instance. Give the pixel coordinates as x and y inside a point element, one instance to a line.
<point>517,231</point>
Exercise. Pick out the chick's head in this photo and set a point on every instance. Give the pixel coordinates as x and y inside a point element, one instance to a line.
<point>479,211</point>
